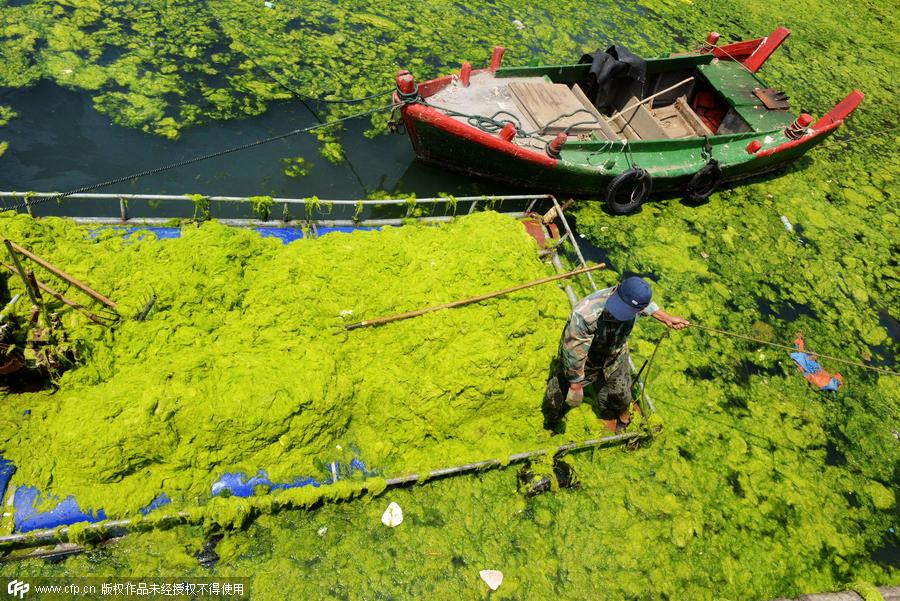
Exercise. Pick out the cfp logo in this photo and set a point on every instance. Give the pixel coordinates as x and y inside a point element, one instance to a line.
<point>17,588</point>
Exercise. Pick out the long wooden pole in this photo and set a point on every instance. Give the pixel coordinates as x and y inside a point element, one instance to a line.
<point>649,98</point>
<point>474,299</point>
<point>59,272</point>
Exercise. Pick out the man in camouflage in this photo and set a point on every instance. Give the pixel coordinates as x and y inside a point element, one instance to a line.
<point>594,350</point>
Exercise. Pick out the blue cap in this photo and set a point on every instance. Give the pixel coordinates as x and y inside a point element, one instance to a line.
<point>632,295</point>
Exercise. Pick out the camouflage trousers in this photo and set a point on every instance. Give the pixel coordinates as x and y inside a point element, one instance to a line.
<point>613,393</point>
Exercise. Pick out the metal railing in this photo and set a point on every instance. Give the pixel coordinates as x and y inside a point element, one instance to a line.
<point>160,209</point>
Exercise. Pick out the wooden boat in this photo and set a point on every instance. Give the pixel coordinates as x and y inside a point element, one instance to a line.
<point>615,126</point>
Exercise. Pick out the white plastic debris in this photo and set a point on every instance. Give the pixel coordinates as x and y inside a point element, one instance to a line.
<point>321,531</point>
<point>518,24</point>
<point>787,224</point>
<point>393,516</point>
<point>269,4</point>
<point>493,578</point>
<point>346,312</point>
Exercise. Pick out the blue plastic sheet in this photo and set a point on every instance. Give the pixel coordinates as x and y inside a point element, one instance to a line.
<point>27,499</point>
<point>29,517</point>
<point>285,234</point>
<point>239,485</point>
<point>160,500</point>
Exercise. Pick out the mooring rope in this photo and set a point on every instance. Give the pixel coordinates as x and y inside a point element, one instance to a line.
<point>794,349</point>
<point>196,159</point>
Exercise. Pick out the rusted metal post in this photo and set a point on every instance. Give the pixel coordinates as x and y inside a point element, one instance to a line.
<point>18,268</point>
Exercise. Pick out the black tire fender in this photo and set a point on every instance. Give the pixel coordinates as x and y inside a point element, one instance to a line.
<point>628,190</point>
<point>705,182</point>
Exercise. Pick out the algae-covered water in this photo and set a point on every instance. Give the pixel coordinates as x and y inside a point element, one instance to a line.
<point>759,486</point>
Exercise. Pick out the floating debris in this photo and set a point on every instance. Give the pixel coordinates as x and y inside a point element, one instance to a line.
<point>392,516</point>
<point>493,578</point>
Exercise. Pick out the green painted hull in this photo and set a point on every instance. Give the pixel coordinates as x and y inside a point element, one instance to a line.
<point>588,167</point>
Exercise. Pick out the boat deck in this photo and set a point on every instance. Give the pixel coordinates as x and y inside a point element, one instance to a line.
<point>737,84</point>
<point>544,109</point>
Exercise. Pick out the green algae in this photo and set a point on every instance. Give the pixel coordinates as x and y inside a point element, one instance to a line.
<point>291,383</point>
<point>262,206</point>
<point>295,167</point>
<point>760,487</point>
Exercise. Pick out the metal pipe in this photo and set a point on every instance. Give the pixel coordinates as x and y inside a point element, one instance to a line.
<point>160,221</point>
<point>557,264</point>
<point>37,538</point>
<point>571,234</point>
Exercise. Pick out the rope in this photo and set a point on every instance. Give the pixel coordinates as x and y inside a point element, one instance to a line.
<point>726,53</point>
<point>492,125</point>
<point>793,349</point>
<point>649,362</point>
<point>866,135</point>
<point>196,159</point>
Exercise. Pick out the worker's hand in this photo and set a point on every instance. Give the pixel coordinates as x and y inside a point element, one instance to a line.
<point>575,396</point>
<point>677,323</point>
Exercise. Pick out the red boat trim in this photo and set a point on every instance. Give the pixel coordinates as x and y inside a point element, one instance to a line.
<point>800,141</point>
<point>431,116</point>
<point>737,51</point>
<point>766,48</point>
<point>841,110</point>
<point>753,53</point>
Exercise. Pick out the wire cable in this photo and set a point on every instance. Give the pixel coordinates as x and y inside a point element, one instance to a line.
<point>196,159</point>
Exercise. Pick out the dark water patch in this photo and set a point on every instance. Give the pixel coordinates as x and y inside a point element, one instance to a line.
<point>786,311</point>
<point>700,372</point>
<point>884,354</point>
<point>735,483</point>
<point>833,455</point>
<point>59,142</point>
<point>889,552</point>
<point>799,229</point>
<point>852,499</point>
<point>736,404</point>
<point>110,55</point>
<point>746,369</point>
<point>591,252</point>
<point>685,454</point>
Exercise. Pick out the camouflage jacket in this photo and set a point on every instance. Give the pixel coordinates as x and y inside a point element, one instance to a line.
<point>594,338</point>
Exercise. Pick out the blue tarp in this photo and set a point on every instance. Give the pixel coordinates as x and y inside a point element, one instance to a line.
<point>29,517</point>
<point>27,499</point>
<point>238,485</point>
<point>285,234</point>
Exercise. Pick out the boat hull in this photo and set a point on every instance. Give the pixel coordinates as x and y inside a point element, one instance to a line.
<point>435,144</point>
<point>586,164</point>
